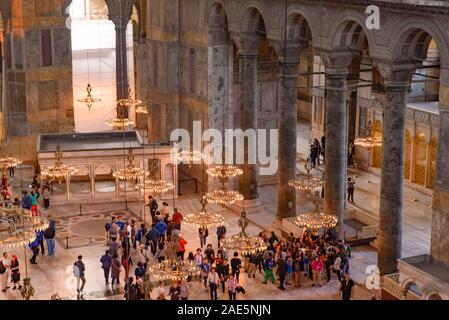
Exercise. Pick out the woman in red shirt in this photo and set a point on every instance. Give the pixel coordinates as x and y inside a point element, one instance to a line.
<point>317,267</point>
<point>181,247</point>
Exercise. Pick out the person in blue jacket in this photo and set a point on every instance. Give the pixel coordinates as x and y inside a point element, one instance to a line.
<point>152,238</point>
<point>161,227</point>
<point>106,260</point>
<point>34,246</point>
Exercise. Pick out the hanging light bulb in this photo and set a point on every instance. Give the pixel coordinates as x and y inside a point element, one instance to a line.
<point>128,101</point>
<point>89,100</point>
<point>59,170</point>
<point>130,171</point>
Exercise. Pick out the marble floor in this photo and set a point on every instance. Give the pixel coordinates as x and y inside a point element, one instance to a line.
<point>84,232</point>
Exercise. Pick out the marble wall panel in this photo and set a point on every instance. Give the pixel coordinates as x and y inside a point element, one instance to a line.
<point>32,49</point>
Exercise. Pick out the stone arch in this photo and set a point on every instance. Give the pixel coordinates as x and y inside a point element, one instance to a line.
<point>420,156</point>
<point>349,31</point>
<point>295,10</point>
<point>217,22</point>
<point>412,37</point>
<point>253,21</point>
<point>434,295</point>
<point>298,28</point>
<point>408,154</point>
<point>408,283</point>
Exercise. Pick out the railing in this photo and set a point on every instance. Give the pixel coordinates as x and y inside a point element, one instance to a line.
<point>371,227</point>
<point>391,284</point>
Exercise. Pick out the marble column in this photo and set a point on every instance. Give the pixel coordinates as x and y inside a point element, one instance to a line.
<point>248,120</point>
<point>439,244</point>
<point>392,177</point>
<point>121,63</point>
<point>287,124</point>
<point>336,149</point>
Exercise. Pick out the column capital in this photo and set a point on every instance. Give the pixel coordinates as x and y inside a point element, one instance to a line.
<point>248,43</point>
<point>396,74</point>
<point>218,36</point>
<point>288,51</point>
<point>337,62</point>
<point>120,12</point>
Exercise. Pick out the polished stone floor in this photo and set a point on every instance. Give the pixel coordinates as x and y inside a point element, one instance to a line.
<point>82,228</point>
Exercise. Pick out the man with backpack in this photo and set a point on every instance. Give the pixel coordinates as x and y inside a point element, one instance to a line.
<point>78,272</point>
<point>49,235</point>
<point>152,204</point>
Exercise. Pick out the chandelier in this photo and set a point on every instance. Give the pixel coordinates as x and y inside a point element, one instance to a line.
<point>119,123</point>
<point>89,100</point>
<point>244,242</point>
<point>204,219</point>
<point>21,226</point>
<point>307,182</point>
<point>368,142</point>
<point>141,109</point>
<point>128,101</point>
<point>7,161</point>
<point>59,170</point>
<point>154,186</point>
<point>224,172</point>
<point>223,196</point>
<point>315,220</point>
<point>130,171</point>
<point>174,270</point>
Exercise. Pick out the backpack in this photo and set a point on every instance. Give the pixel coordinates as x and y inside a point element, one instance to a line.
<point>270,263</point>
<point>49,233</point>
<point>2,268</point>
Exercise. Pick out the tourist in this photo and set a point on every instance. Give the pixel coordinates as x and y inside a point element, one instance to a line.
<point>351,188</point>
<point>236,264</point>
<point>318,150</point>
<point>139,235</point>
<point>165,212</point>
<point>177,219</point>
<point>351,155</point>
<point>115,269</point>
<point>323,147</point>
<point>185,290</point>
<point>252,262</point>
<point>152,204</point>
<point>142,256</point>
<point>79,273</point>
<point>161,252</point>
<point>337,266</point>
<point>26,200</point>
<point>175,291</point>
<point>298,269</point>
<point>347,288</point>
<point>181,247</point>
<point>317,268</point>
<point>131,292</point>
<point>161,227</point>
<point>140,271</point>
<point>269,265</point>
<point>205,269</point>
<point>273,238</point>
<point>203,233</point>
<point>198,257</point>
<point>34,209</point>
<point>160,291</point>
<point>126,263</point>
<point>15,272</point>
<point>221,233</point>
<point>232,285</point>
<point>210,254</point>
<point>114,247</point>
<point>213,280</point>
<point>49,235</point>
<point>46,197</point>
<point>152,237</point>
<point>40,239</point>
<point>223,272</point>
<point>289,265</point>
<point>106,261</point>
<point>282,271</point>
<point>126,243</point>
<point>5,268</point>
<point>34,246</point>
<point>328,263</point>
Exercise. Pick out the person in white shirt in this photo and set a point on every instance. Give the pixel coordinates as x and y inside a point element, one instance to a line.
<point>6,261</point>
<point>160,291</point>
<point>198,257</point>
<point>165,212</point>
<point>213,279</point>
